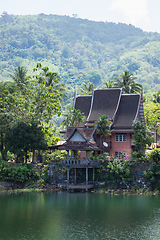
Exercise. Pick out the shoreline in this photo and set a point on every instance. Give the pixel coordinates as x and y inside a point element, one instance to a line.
<point>9,188</point>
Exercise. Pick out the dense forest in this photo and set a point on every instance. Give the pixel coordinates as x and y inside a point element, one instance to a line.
<point>79,50</point>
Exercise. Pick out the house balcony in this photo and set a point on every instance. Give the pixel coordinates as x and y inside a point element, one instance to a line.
<point>77,163</point>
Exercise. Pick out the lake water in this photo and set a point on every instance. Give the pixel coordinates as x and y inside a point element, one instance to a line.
<point>65,216</point>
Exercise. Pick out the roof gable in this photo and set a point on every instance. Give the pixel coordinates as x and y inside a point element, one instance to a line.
<point>83,103</point>
<point>104,101</point>
<point>81,134</point>
<point>77,137</point>
<point>127,111</point>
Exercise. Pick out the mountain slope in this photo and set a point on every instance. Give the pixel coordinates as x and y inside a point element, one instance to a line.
<point>79,49</point>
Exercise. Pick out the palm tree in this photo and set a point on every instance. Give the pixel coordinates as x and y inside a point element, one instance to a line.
<point>87,88</point>
<point>72,118</point>
<point>51,79</point>
<point>156,98</point>
<point>103,126</point>
<point>20,76</point>
<point>127,82</point>
<point>109,84</point>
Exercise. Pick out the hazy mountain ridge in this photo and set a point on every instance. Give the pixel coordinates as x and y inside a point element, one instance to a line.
<point>78,49</point>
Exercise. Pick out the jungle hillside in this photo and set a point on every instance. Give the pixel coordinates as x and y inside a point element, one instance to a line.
<point>79,50</point>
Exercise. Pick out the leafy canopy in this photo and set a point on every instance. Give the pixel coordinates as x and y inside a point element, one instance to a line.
<point>103,125</point>
<point>140,137</point>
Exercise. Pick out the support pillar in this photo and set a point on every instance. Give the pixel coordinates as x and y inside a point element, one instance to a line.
<point>75,176</point>
<point>87,178</point>
<point>67,156</point>
<point>93,175</point>
<point>86,157</point>
<point>67,177</point>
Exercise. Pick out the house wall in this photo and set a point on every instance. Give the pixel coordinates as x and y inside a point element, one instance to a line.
<point>121,146</point>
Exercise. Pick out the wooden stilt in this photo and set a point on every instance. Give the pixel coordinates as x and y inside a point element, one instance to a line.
<point>93,175</point>
<point>86,178</point>
<point>75,177</point>
<point>67,177</point>
<point>68,156</point>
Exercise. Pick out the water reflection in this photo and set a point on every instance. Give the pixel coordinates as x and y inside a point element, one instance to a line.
<point>79,216</point>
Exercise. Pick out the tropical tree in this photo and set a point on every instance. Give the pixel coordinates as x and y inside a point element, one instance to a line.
<point>103,126</point>
<point>156,97</point>
<point>94,77</point>
<point>38,103</point>
<point>109,84</point>
<point>7,89</point>
<point>51,79</point>
<point>20,77</point>
<point>152,114</point>
<point>24,137</point>
<point>127,82</point>
<point>72,117</point>
<point>87,88</point>
<point>141,138</point>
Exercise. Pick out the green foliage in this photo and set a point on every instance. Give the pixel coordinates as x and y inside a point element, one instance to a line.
<point>156,97</point>
<point>152,115</point>
<point>74,46</point>
<point>72,117</point>
<point>20,77</point>
<point>127,82</point>
<point>109,84</point>
<point>117,170</point>
<point>21,173</point>
<point>154,155</point>
<point>141,138</point>
<point>100,157</point>
<point>87,88</point>
<point>120,170</point>
<point>23,137</point>
<point>59,155</point>
<point>37,104</point>
<point>44,175</point>
<point>153,175</point>
<point>94,77</point>
<point>103,125</point>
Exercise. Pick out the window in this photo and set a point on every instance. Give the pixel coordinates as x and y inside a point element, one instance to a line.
<point>120,137</point>
<point>120,154</point>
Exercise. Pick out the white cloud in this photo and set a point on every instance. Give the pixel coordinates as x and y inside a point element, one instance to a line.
<point>134,10</point>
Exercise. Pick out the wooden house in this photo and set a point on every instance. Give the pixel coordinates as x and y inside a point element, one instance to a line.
<point>122,109</point>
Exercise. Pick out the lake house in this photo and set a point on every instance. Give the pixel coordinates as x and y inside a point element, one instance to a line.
<point>122,109</point>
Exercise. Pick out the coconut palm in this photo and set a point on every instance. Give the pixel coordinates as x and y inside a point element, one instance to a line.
<point>20,76</point>
<point>51,79</point>
<point>109,84</point>
<point>87,88</point>
<point>103,126</point>
<point>127,82</point>
<point>156,97</point>
<point>72,117</point>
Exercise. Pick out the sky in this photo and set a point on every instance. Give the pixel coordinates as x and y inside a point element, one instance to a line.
<point>143,14</point>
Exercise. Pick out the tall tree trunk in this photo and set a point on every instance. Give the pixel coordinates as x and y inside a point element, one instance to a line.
<point>33,155</point>
<point>2,148</point>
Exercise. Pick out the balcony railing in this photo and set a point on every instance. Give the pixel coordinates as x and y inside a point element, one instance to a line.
<point>80,162</point>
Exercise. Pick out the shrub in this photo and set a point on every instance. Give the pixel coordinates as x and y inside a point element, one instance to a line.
<point>155,154</point>
<point>153,175</point>
<point>119,170</point>
<point>59,155</point>
<point>19,174</point>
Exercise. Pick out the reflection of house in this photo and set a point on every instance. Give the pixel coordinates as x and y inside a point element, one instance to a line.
<point>122,109</point>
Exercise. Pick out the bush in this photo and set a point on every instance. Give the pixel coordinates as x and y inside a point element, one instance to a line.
<point>153,175</point>
<point>57,155</point>
<point>19,174</point>
<point>155,155</point>
<point>120,170</point>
